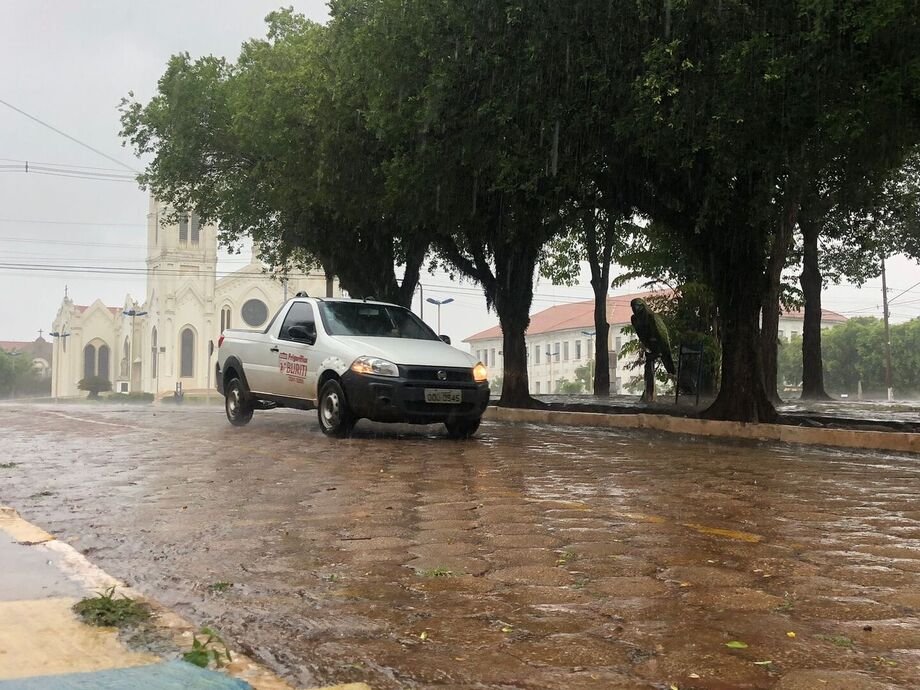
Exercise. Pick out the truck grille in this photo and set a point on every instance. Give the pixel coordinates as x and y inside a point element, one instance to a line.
<point>454,375</point>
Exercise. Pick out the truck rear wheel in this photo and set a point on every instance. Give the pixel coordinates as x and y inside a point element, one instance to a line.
<point>237,404</point>
<point>335,417</point>
<point>462,428</point>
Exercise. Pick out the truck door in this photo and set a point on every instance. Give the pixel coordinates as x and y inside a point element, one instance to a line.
<point>296,353</point>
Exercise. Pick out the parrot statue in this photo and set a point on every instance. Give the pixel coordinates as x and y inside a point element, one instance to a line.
<point>652,332</point>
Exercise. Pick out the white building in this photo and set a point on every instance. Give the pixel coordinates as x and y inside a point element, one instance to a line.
<point>561,339</point>
<point>187,307</point>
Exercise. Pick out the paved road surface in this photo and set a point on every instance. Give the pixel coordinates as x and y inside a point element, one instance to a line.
<point>529,557</point>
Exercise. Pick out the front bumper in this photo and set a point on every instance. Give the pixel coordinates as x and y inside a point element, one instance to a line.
<point>400,399</point>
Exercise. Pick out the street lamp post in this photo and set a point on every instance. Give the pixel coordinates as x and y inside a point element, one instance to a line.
<point>58,336</point>
<point>133,313</point>
<point>438,303</point>
<point>593,356</point>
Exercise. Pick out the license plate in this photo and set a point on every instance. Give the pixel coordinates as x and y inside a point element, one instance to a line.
<point>444,396</point>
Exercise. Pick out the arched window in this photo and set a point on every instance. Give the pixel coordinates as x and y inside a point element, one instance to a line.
<point>155,353</point>
<point>225,319</point>
<point>195,227</point>
<point>103,370</point>
<point>187,353</point>
<point>126,359</point>
<point>89,361</point>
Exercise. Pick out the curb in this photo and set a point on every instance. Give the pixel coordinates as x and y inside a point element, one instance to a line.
<point>894,441</point>
<point>75,568</point>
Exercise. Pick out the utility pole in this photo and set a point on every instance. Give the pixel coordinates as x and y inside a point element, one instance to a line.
<point>59,337</point>
<point>421,302</point>
<point>133,313</point>
<point>887,334</point>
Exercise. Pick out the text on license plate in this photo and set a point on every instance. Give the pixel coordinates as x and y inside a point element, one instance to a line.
<point>442,395</point>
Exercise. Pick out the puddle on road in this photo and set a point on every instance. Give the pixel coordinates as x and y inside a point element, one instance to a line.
<point>529,557</point>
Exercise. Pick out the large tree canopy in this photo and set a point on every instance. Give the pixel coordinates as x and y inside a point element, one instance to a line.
<point>276,147</point>
<point>473,129</point>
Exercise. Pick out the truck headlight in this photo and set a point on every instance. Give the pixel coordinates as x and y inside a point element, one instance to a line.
<point>480,373</point>
<point>374,366</point>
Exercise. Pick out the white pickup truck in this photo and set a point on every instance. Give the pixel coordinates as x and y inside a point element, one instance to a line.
<point>351,359</point>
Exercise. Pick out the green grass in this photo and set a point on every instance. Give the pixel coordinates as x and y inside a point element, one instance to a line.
<point>7,465</point>
<point>211,648</point>
<point>107,610</point>
<point>219,587</point>
<point>436,572</point>
<point>838,640</point>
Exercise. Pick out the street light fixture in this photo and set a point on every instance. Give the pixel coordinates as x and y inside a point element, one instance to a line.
<point>57,358</point>
<point>438,303</point>
<point>133,313</point>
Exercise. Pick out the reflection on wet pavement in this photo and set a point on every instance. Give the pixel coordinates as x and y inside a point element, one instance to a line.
<point>529,557</point>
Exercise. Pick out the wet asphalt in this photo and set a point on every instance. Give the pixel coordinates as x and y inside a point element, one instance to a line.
<point>527,557</point>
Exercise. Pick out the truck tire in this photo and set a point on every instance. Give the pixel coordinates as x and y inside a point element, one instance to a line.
<point>335,417</point>
<point>462,428</point>
<point>237,404</point>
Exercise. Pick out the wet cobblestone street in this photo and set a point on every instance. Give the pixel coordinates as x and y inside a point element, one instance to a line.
<point>528,557</point>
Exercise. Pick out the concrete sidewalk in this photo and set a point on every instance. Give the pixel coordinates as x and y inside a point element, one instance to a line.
<point>44,645</point>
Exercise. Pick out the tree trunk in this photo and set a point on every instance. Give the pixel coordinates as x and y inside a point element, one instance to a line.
<point>739,289</point>
<point>769,325</point>
<point>810,280</point>
<point>513,295</point>
<point>601,339</point>
<point>599,257</point>
<point>415,257</point>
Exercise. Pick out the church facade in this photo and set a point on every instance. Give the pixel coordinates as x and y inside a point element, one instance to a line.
<point>171,339</point>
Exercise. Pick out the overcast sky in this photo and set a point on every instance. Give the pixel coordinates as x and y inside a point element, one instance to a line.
<point>69,63</point>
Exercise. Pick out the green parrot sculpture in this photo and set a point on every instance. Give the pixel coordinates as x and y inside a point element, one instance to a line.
<point>652,332</point>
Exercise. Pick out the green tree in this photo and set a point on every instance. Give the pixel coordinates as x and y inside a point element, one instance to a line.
<point>593,238</point>
<point>94,385</point>
<point>849,227</point>
<point>17,375</point>
<point>853,353</point>
<point>745,103</point>
<point>495,111</point>
<point>275,146</point>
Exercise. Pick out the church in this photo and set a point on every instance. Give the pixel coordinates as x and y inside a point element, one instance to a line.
<point>169,340</point>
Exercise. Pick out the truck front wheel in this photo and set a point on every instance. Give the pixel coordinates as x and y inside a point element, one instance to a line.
<point>462,428</point>
<point>335,417</point>
<point>237,404</point>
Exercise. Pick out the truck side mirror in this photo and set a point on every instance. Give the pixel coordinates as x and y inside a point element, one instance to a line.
<point>305,333</point>
<point>445,338</point>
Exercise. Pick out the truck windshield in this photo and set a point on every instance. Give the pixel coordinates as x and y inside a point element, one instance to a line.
<point>373,320</point>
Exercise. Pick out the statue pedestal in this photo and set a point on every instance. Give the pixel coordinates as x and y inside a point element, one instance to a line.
<point>648,395</point>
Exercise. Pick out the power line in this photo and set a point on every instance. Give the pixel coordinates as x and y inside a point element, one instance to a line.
<point>68,136</point>
<point>903,292</point>
<point>77,177</point>
<point>70,222</point>
<point>61,165</point>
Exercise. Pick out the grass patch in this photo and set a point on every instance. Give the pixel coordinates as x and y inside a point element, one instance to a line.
<point>565,557</point>
<point>219,587</point>
<point>788,604</point>
<point>42,494</point>
<point>7,465</point>
<point>436,572</point>
<point>837,640</point>
<point>108,610</point>
<point>208,646</point>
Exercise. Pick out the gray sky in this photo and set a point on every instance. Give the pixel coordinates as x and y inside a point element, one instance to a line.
<point>69,63</point>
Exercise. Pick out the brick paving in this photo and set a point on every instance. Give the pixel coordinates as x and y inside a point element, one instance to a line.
<point>529,557</point>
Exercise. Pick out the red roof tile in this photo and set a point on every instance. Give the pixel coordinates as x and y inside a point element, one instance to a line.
<point>827,316</point>
<point>566,317</point>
